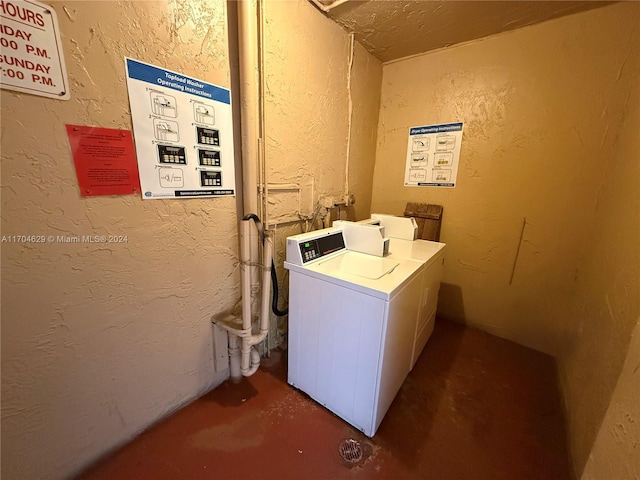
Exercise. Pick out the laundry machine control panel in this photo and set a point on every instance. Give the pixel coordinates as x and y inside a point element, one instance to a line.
<point>309,250</point>
<point>307,247</point>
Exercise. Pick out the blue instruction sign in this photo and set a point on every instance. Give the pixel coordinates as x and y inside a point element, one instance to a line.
<point>184,133</point>
<point>433,154</point>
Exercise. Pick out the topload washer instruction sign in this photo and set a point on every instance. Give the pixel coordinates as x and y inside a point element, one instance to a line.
<point>184,134</point>
<point>433,154</point>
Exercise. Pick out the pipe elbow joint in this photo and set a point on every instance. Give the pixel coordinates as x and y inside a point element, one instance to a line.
<point>248,370</point>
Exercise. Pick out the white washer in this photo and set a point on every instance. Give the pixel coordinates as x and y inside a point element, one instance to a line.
<point>352,324</point>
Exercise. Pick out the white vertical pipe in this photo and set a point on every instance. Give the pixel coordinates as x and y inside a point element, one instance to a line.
<point>352,43</point>
<point>262,162</point>
<point>251,32</point>
<point>234,358</point>
<point>246,367</point>
<point>250,357</point>
<point>245,273</point>
<point>267,257</point>
<point>254,269</point>
<point>250,89</point>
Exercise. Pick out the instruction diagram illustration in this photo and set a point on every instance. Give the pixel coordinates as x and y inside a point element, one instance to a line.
<point>421,144</point>
<point>443,159</point>
<point>171,177</point>
<point>203,113</point>
<point>418,175</point>
<point>166,130</point>
<point>209,158</point>
<point>441,175</point>
<point>171,154</point>
<point>163,104</point>
<point>419,159</point>
<point>441,143</point>
<point>208,136</point>
<point>210,178</point>
<point>445,143</point>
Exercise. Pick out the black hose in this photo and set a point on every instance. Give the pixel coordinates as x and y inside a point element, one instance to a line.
<point>274,277</point>
<point>256,220</point>
<point>274,300</point>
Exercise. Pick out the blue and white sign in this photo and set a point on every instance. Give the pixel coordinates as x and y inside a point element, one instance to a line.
<point>184,134</point>
<point>433,154</point>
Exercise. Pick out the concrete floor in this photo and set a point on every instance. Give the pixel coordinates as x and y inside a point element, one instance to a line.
<point>474,407</point>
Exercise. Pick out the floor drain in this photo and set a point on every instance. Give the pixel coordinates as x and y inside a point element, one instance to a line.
<point>351,450</point>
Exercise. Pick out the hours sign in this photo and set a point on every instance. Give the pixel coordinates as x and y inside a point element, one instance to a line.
<point>31,59</point>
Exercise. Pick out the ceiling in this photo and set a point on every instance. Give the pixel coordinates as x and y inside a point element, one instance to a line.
<point>392,29</point>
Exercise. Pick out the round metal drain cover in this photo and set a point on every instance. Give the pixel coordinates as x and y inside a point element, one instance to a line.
<point>351,450</point>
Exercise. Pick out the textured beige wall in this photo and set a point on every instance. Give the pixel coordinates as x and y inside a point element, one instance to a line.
<point>100,340</point>
<point>307,102</point>
<point>366,82</point>
<point>606,304</point>
<point>306,109</point>
<point>551,134</point>
<point>615,452</point>
<point>541,107</point>
<point>307,112</point>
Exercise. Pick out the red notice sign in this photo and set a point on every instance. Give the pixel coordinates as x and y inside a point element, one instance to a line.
<point>105,160</point>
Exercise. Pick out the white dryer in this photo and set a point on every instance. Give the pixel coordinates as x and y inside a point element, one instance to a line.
<point>431,256</point>
<point>352,325</point>
<point>402,233</point>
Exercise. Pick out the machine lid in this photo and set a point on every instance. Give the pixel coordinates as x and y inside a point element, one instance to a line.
<point>365,266</point>
<point>394,273</point>
<point>423,251</point>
